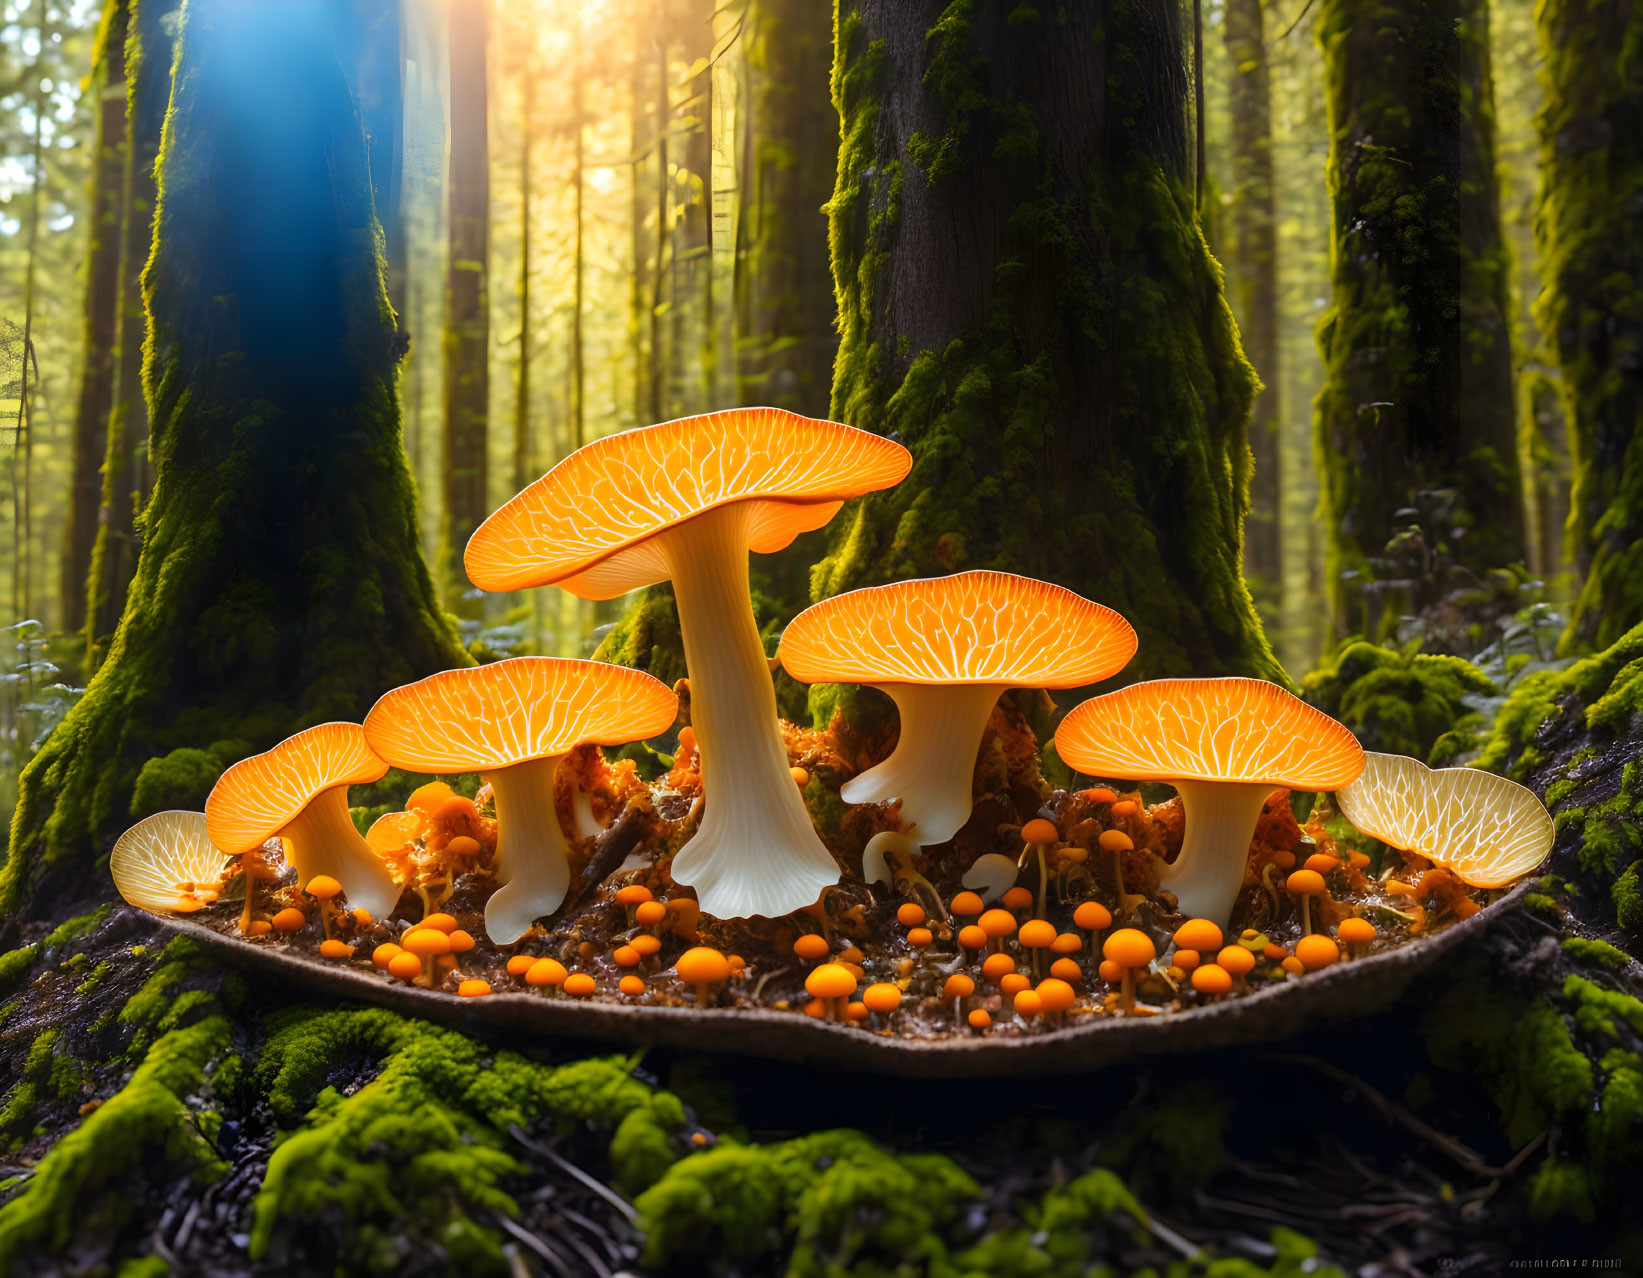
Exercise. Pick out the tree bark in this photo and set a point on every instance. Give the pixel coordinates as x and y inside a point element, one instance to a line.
<point>692,313</point>
<point>280,583</point>
<point>785,338</point>
<point>464,465</point>
<point>1252,267</point>
<point>378,76</point>
<point>1418,393</point>
<point>101,314</point>
<point>1590,236</point>
<point>1027,303</point>
<point>148,57</point>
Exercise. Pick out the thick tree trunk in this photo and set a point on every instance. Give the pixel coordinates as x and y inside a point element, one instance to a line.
<point>1253,271</point>
<point>101,314</point>
<point>148,56</point>
<point>1590,234</point>
<point>464,465</point>
<point>1417,353</point>
<point>1026,302</point>
<point>785,337</point>
<point>378,76</point>
<point>692,311</point>
<point>280,582</point>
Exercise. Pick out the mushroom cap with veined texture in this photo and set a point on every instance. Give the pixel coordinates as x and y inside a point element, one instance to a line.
<point>1488,830</point>
<point>585,525</point>
<point>1227,729</point>
<point>258,797</point>
<point>972,627</point>
<point>158,863</point>
<point>487,717</point>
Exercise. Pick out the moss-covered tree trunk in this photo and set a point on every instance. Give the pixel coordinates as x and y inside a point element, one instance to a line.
<point>280,582</point>
<point>1027,303</point>
<point>1252,265</point>
<point>1417,396</point>
<point>785,338</point>
<point>148,57</point>
<point>100,313</point>
<point>464,466</point>
<point>1590,236</point>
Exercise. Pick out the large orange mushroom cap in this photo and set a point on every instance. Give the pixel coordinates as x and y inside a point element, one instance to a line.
<point>299,791</point>
<point>972,627</point>
<point>945,648</point>
<point>258,797</point>
<point>508,712</point>
<point>168,862</point>
<point>585,523</point>
<point>1228,729</point>
<point>1225,744</point>
<point>1488,830</point>
<point>513,721</point>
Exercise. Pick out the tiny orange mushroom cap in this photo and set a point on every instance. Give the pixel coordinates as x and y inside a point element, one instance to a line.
<point>1198,934</point>
<point>833,983</point>
<point>910,914</point>
<point>944,649</point>
<point>1355,933</point>
<point>290,919</point>
<point>299,791</point>
<point>1038,830</point>
<point>967,905</point>
<point>1092,916</point>
<point>686,501</point>
<point>1488,830</point>
<point>546,971</point>
<point>882,997</point>
<point>632,985</point>
<point>407,967</point>
<point>1225,744</point>
<point>579,985</point>
<point>1316,952</point>
<point>702,968</point>
<point>474,988</point>
<point>168,863</point>
<point>1130,949</point>
<point>513,721</point>
<point>811,946</point>
<point>1211,978</point>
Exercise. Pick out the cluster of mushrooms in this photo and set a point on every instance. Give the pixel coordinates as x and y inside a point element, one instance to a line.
<point>686,502</point>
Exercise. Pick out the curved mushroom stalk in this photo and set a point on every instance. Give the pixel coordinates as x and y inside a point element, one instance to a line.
<point>756,851</point>
<point>532,860</point>
<point>1220,821</point>
<point>321,839</point>
<point>991,875</point>
<point>933,766</point>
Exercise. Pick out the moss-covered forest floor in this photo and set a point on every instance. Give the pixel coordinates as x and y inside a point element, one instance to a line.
<point>163,1112</point>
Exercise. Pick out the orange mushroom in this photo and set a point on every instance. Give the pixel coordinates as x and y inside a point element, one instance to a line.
<point>167,863</point>
<point>702,968</point>
<point>1355,934</point>
<point>299,791</point>
<point>1316,952</point>
<point>1305,884</point>
<point>944,649</point>
<point>1037,935</point>
<point>882,998</point>
<point>1211,978</point>
<point>513,722</point>
<point>833,983</point>
<point>427,943</point>
<point>1225,744</point>
<point>1130,949</point>
<point>686,501</point>
<point>1236,960</point>
<point>290,920</point>
<point>1489,831</point>
<point>546,973</point>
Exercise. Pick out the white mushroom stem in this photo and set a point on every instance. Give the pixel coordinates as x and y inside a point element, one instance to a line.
<point>532,859</point>
<point>934,763</point>
<point>321,839</point>
<point>1220,821</point>
<point>756,851</point>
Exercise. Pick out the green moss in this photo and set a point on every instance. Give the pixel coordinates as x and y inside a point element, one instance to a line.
<point>1590,245</point>
<point>423,1145</point>
<point>830,1195</point>
<point>1585,950</point>
<point>15,962</point>
<point>1598,1009</point>
<point>73,929</point>
<point>1054,1235</point>
<point>1399,701</point>
<point>1627,895</point>
<point>180,780</point>
<point>147,1123</point>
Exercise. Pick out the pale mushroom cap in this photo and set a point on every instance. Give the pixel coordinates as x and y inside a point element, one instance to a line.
<point>494,716</point>
<point>1488,830</point>
<point>972,627</point>
<point>258,797</point>
<point>583,525</point>
<point>155,860</point>
<point>1227,729</point>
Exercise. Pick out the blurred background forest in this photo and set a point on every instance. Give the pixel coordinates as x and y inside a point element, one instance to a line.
<point>601,213</point>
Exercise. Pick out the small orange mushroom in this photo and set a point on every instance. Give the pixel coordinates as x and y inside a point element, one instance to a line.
<point>1055,996</point>
<point>997,924</point>
<point>810,946</point>
<point>997,967</point>
<point>702,968</point>
<point>580,985</point>
<point>1186,960</point>
<point>980,1019</point>
<point>546,972</point>
<point>967,905</point>
<point>1026,1003</point>
<point>290,919</point>
<point>474,988</point>
<point>1198,934</point>
<point>1037,935</point>
<point>1130,949</point>
<point>1236,960</point>
<point>335,949</point>
<point>1066,969</point>
<point>1212,978</point>
<point>882,998</point>
<point>833,983</point>
<point>1305,884</point>
<point>1093,917</point>
<point>407,967</point>
<point>972,938</point>
<point>647,946</point>
<point>1355,933</point>
<point>910,914</point>
<point>385,954</point>
<point>631,985</point>
<point>1316,952</point>
<point>427,943</point>
<point>518,964</point>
